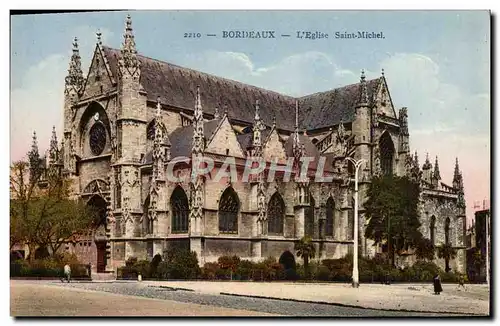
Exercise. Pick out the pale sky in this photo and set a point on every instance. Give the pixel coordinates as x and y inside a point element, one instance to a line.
<point>436,63</point>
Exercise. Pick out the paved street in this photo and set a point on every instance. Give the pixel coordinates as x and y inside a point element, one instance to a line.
<point>44,299</point>
<point>31,298</point>
<point>397,296</point>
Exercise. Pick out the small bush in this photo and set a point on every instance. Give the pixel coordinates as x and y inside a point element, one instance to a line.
<point>179,264</point>
<point>209,271</point>
<point>244,270</point>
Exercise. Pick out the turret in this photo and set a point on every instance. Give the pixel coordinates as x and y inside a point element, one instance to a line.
<point>258,126</point>
<point>53,148</point>
<point>404,135</point>
<point>73,85</point>
<point>296,148</point>
<point>34,159</point>
<point>197,150</point>
<point>427,170</point>
<point>362,128</point>
<point>436,176</point>
<point>456,175</point>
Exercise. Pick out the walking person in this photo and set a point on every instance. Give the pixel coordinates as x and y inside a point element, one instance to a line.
<point>437,285</point>
<point>461,282</point>
<point>67,272</point>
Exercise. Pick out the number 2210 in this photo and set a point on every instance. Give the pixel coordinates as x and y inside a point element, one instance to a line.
<point>192,35</point>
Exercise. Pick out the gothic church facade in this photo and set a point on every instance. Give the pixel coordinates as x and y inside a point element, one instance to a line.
<point>131,115</point>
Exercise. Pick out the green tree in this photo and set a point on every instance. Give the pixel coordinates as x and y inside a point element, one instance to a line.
<point>305,249</point>
<point>41,211</point>
<point>392,212</point>
<point>447,252</point>
<point>425,249</point>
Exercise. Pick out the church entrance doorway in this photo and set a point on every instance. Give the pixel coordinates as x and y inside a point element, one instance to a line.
<point>99,231</point>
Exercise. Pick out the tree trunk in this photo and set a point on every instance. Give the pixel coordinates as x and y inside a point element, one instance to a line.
<point>31,248</point>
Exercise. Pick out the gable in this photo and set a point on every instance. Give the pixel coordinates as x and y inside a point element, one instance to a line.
<point>273,147</point>
<point>223,141</point>
<point>99,78</point>
<point>383,101</point>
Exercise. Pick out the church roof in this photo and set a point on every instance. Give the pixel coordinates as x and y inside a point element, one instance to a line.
<point>182,138</point>
<point>246,140</point>
<point>309,149</point>
<point>176,86</point>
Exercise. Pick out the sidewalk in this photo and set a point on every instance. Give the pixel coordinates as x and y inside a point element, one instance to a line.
<point>405,297</point>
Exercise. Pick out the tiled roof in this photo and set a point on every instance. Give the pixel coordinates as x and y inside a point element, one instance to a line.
<point>176,86</point>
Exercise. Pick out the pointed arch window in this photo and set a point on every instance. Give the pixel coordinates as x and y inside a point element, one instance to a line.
<point>447,231</point>
<point>309,218</point>
<point>180,210</point>
<point>275,214</point>
<point>386,147</point>
<point>229,206</point>
<point>432,229</point>
<point>147,222</point>
<point>330,217</point>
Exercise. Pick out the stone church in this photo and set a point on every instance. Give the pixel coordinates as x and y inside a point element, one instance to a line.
<point>131,115</point>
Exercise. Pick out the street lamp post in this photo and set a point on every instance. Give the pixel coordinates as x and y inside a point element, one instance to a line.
<point>355,270</point>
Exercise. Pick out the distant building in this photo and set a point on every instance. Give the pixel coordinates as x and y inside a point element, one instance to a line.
<point>476,239</point>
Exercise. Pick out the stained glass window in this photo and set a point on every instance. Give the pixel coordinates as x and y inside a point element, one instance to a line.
<point>330,217</point>
<point>309,222</point>
<point>180,210</point>
<point>229,205</point>
<point>386,147</point>
<point>275,214</point>
<point>97,138</point>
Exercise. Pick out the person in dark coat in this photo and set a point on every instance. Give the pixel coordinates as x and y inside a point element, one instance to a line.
<point>437,284</point>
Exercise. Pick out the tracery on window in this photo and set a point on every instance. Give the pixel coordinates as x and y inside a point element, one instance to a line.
<point>275,214</point>
<point>228,211</point>
<point>180,210</point>
<point>97,138</point>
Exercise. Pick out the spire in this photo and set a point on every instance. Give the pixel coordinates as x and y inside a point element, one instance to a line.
<point>53,150</point>
<point>296,139</point>
<point>34,159</point>
<point>160,155</point>
<point>427,164</point>
<point>414,169</point>
<point>403,120</point>
<point>437,175</point>
<point>257,132</point>
<point>98,34</point>
<point>129,51</point>
<point>383,73</point>
<point>75,75</point>
<point>216,113</point>
<point>363,96</point>
<point>158,108</point>
<point>456,175</point>
<point>296,115</point>
<point>341,131</point>
<point>198,136</point>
